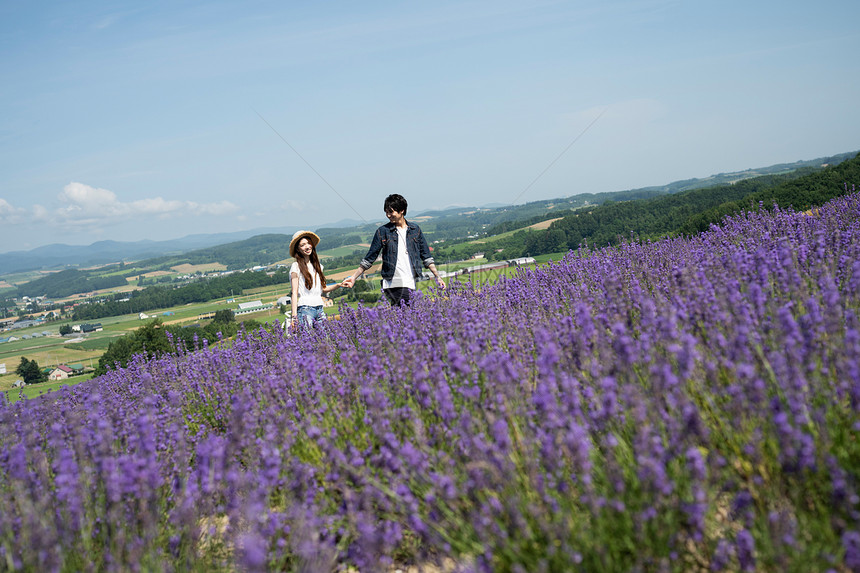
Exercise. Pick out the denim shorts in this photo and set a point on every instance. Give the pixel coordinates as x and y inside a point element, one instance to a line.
<point>310,315</point>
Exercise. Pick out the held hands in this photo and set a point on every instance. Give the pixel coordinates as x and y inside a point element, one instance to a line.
<point>349,282</point>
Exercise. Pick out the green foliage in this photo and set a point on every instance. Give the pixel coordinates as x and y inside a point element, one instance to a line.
<point>224,316</point>
<point>65,329</point>
<point>686,212</point>
<point>150,340</point>
<point>801,193</point>
<point>165,297</point>
<point>69,282</point>
<point>258,250</point>
<point>223,325</point>
<point>155,338</point>
<point>30,372</point>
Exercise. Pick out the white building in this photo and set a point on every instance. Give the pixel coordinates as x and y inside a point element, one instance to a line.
<point>253,306</point>
<point>523,261</point>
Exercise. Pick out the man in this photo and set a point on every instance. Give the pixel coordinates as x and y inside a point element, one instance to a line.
<point>404,251</point>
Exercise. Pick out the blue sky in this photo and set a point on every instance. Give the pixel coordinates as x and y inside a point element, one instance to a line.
<point>148,120</point>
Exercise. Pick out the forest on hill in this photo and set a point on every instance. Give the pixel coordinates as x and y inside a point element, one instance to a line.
<point>166,296</point>
<point>683,207</point>
<point>69,282</point>
<point>687,213</point>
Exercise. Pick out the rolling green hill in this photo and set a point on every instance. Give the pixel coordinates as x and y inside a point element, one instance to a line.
<point>686,212</point>
<point>597,218</point>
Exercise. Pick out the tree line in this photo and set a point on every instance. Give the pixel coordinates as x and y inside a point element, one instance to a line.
<point>69,282</point>
<point>164,296</point>
<point>686,213</point>
<point>155,338</point>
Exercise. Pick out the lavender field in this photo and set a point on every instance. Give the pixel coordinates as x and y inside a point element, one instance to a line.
<point>683,405</point>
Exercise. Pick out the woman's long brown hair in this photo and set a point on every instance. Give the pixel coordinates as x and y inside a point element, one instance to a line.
<point>303,266</point>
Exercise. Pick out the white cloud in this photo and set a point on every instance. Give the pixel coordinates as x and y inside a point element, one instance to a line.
<point>40,213</point>
<point>222,208</point>
<point>10,214</point>
<point>293,205</point>
<point>83,205</point>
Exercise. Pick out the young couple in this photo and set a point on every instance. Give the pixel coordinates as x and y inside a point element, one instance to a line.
<point>404,251</point>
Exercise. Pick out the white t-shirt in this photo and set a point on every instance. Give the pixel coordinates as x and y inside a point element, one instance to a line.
<point>403,277</point>
<point>312,297</point>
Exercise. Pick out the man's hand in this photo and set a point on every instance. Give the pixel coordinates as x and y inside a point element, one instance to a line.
<point>440,282</point>
<point>348,282</point>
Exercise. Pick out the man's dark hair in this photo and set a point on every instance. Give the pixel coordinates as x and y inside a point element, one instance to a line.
<point>395,202</point>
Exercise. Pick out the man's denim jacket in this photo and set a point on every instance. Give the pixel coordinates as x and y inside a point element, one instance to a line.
<point>385,240</point>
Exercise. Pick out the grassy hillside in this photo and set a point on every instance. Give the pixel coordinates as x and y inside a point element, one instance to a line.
<point>686,212</point>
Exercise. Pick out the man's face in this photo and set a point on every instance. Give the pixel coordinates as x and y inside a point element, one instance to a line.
<point>394,216</point>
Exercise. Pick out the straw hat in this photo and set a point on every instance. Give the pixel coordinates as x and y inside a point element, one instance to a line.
<point>312,237</point>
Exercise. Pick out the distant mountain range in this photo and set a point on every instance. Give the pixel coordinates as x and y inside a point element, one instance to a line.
<point>59,256</point>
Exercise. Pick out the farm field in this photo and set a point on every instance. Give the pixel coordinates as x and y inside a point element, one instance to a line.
<point>688,404</point>
<point>43,388</point>
<point>54,350</point>
<point>342,251</point>
<point>188,269</point>
<point>542,226</point>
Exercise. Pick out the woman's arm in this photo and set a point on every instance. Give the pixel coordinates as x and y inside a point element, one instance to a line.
<point>294,296</point>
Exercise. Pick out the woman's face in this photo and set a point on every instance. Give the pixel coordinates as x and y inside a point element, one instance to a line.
<point>305,247</point>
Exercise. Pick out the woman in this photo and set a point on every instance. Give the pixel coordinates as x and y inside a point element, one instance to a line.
<point>307,279</point>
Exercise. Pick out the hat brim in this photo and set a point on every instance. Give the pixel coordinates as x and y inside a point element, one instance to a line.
<point>309,235</point>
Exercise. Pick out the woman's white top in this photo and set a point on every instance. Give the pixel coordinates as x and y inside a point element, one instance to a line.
<point>403,277</point>
<point>312,296</point>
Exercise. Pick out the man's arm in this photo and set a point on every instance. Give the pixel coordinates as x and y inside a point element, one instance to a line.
<point>367,261</point>
<point>424,252</point>
<point>439,281</point>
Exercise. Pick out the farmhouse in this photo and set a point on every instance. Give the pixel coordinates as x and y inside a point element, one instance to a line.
<point>61,372</point>
<point>253,306</point>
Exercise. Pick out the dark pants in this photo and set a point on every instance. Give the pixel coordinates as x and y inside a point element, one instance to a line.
<point>395,295</point>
